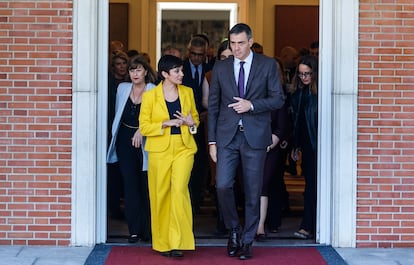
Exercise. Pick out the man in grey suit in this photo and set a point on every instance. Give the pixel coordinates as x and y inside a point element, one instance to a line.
<point>244,89</point>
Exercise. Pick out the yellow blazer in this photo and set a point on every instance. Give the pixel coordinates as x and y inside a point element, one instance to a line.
<point>154,111</point>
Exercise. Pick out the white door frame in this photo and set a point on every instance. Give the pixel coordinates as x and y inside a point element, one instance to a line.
<point>337,122</point>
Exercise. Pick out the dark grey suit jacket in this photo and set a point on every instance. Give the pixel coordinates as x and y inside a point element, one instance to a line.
<point>263,89</point>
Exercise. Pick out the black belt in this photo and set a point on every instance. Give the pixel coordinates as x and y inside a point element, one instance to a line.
<point>241,128</point>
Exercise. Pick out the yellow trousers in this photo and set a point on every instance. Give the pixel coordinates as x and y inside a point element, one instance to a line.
<point>171,214</point>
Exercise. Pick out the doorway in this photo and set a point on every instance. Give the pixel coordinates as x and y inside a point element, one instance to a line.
<point>337,159</point>
<point>172,17</point>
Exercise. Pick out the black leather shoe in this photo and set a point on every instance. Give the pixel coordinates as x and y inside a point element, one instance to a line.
<point>233,245</point>
<point>246,251</point>
<point>260,237</point>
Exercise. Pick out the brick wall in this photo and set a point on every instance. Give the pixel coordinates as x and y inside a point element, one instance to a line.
<point>35,122</point>
<point>385,213</point>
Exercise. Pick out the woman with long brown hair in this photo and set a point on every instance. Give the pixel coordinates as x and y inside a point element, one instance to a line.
<point>127,147</point>
<point>304,110</point>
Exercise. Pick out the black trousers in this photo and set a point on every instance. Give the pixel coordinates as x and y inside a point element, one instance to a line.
<point>309,157</point>
<point>114,189</point>
<point>199,174</point>
<point>135,181</point>
<point>275,187</point>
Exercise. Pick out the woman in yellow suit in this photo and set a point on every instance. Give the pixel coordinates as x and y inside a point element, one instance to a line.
<point>168,119</point>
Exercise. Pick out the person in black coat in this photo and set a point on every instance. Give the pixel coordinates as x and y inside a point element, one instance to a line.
<point>304,110</point>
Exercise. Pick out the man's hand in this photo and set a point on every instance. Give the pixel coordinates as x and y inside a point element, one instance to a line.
<point>213,152</point>
<point>241,106</point>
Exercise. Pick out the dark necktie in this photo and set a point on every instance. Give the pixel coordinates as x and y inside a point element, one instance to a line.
<point>197,76</point>
<point>241,80</point>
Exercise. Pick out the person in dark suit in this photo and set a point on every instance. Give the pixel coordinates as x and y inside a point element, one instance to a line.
<point>244,90</point>
<point>194,69</point>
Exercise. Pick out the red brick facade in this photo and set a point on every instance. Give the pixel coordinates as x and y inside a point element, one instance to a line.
<point>35,122</point>
<point>385,193</point>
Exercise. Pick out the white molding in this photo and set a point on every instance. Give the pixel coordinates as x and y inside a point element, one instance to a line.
<point>345,101</point>
<point>83,219</point>
<point>338,123</point>
<point>101,125</point>
<point>324,206</point>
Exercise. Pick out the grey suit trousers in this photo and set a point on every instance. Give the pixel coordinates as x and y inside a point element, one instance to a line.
<point>252,164</point>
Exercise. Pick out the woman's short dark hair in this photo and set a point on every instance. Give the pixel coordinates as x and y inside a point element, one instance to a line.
<point>151,76</point>
<point>168,62</point>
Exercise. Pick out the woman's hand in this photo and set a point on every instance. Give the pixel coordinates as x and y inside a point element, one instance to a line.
<point>283,144</point>
<point>137,139</point>
<point>295,154</point>
<point>172,123</point>
<point>275,141</point>
<point>187,120</point>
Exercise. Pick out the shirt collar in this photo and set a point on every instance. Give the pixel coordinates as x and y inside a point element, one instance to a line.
<point>248,59</point>
<point>193,67</point>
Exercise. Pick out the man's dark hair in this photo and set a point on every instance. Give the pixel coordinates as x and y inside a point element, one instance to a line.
<point>314,45</point>
<point>132,53</point>
<point>240,28</point>
<point>204,37</point>
<point>197,42</point>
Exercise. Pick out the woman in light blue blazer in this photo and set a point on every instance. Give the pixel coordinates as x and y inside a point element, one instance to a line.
<point>127,147</point>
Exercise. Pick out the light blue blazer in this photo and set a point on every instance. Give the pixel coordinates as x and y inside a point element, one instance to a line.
<point>122,94</point>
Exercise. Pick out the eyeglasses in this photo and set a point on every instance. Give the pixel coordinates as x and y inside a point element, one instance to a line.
<point>197,54</point>
<point>304,75</point>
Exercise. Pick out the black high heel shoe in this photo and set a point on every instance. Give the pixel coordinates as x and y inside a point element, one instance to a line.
<point>165,254</point>
<point>133,239</point>
<point>176,254</point>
